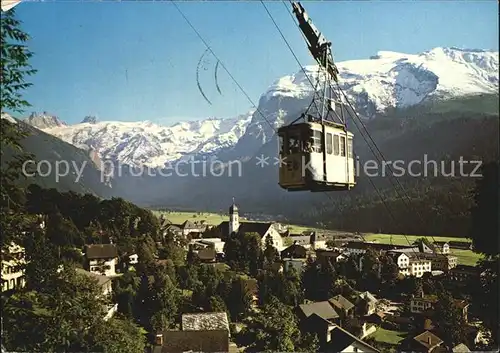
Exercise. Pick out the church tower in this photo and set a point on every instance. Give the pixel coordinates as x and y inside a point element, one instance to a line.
<point>234,222</point>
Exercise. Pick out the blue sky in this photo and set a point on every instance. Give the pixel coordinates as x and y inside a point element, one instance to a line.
<point>137,60</point>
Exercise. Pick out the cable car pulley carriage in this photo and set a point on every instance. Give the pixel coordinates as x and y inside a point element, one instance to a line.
<point>316,148</point>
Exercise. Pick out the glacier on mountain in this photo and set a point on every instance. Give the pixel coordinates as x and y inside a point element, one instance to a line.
<point>386,80</point>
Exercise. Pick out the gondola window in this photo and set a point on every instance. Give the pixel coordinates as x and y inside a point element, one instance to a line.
<point>329,143</point>
<point>349,147</point>
<point>342,146</point>
<point>336,145</point>
<point>317,137</point>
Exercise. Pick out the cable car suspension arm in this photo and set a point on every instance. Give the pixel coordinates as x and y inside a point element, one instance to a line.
<point>320,48</point>
<point>317,43</point>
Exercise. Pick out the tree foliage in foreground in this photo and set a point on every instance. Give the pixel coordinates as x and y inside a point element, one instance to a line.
<point>15,63</point>
<point>275,329</point>
<point>449,320</point>
<point>57,311</point>
<point>15,68</point>
<point>69,318</point>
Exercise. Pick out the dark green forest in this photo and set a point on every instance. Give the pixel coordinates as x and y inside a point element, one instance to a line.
<point>57,310</point>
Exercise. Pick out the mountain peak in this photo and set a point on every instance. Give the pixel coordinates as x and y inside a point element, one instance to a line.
<point>44,120</point>
<point>90,119</point>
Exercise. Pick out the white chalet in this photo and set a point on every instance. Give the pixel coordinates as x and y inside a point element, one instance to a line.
<point>442,247</point>
<point>215,243</point>
<point>410,264</point>
<point>101,259</point>
<point>12,275</point>
<point>133,259</point>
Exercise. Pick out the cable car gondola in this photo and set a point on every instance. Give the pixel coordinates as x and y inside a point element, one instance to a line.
<point>317,156</point>
<point>316,150</point>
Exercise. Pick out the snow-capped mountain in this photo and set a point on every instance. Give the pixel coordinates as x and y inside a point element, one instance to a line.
<point>391,79</point>
<point>149,144</point>
<point>386,80</point>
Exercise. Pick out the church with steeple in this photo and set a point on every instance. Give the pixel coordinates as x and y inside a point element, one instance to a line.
<point>234,222</point>
<point>264,229</point>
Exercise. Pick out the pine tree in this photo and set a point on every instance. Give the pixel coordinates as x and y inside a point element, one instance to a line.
<point>449,320</point>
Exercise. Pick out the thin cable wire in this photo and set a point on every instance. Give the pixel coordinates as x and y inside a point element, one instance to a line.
<point>391,215</point>
<point>222,64</point>
<point>383,159</point>
<point>290,48</point>
<point>215,78</point>
<point>374,154</point>
<point>198,77</point>
<point>224,67</point>
<point>302,67</point>
<point>382,156</point>
<point>344,95</point>
<point>314,86</point>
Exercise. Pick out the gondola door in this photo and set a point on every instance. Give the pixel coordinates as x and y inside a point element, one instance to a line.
<point>291,175</point>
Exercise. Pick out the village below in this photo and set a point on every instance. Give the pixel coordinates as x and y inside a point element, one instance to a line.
<point>179,282</point>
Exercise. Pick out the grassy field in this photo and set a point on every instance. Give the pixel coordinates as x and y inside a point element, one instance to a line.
<point>387,336</point>
<point>299,229</point>
<point>180,217</point>
<point>465,257</point>
<point>403,240</point>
